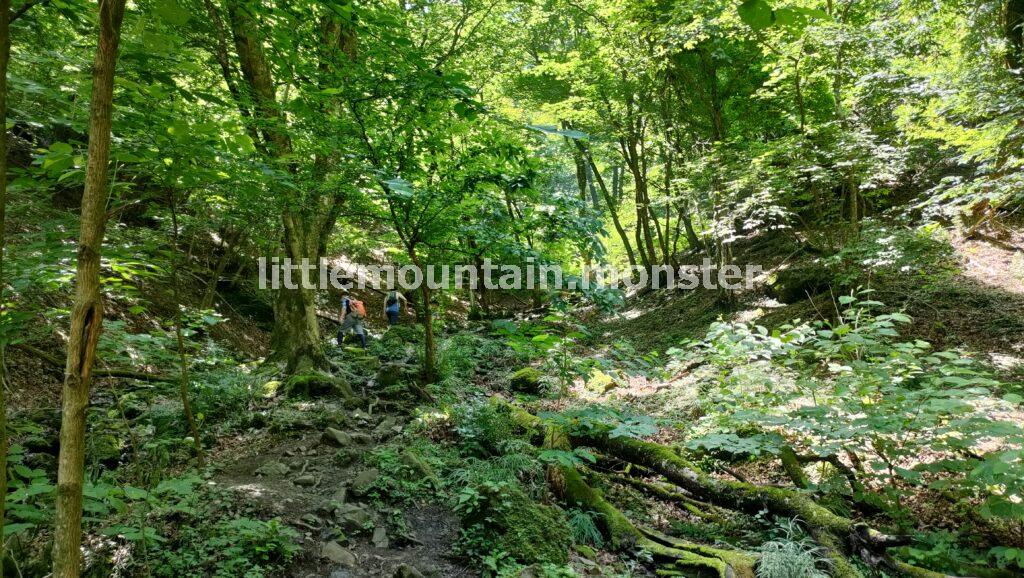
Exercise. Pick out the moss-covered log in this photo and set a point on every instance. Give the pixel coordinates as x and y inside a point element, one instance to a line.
<point>623,534</point>
<point>840,536</point>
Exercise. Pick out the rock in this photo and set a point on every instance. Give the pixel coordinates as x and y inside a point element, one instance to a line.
<point>391,373</point>
<point>354,517</point>
<point>388,427</point>
<point>315,384</point>
<point>361,438</point>
<point>339,496</point>
<point>364,480</point>
<point>420,467</point>
<point>345,457</point>
<point>272,468</point>
<point>407,571</point>
<point>526,380</point>
<point>601,383</point>
<point>305,481</point>
<point>334,552</point>
<point>360,416</point>
<point>336,437</point>
<point>269,389</point>
<point>380,538</point>
<point>310,519</point>
<point>336,418</point>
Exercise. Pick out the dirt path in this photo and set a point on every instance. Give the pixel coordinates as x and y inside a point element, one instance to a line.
<point>314,482</point>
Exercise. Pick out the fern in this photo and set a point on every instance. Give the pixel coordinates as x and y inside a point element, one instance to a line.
<point>584,530</point>
<point>791,556</point>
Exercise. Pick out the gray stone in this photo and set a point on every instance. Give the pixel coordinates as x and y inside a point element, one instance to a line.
<point>273,469</point>
<point>407,571</point>
<point>306,481</point>
<point>340,495</point>
<point>353,516</point>
<point>336,437</point>
<point>364,480</point>
<point>345,457</point>
<point>388,427</point>
<point>361,438</point>
<point>380,538</point>
<point>334,552</point>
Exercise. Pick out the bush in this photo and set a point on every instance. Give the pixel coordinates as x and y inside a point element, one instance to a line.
<point>228,549</point>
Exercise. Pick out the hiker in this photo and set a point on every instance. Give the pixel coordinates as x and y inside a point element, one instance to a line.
<point>393,306</point>
<point>353,312</point>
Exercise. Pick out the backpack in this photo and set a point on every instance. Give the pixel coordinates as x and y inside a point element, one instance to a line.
<point>392,298</point>
<point>356,306</point>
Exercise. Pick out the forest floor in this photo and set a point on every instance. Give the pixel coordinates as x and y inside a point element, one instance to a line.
<point>316,481</point>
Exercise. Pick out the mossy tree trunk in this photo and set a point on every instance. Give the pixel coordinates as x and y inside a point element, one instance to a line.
<point>5,58</point>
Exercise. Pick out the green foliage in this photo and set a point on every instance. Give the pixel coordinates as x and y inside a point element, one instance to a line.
<point>229,548</point>
<point>584,528</point>
<point>500,517</point>
<point>601,418</point>
<point>852,386</point>
<point>554,340</point>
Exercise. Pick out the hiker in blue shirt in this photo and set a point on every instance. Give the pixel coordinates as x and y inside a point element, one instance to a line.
<point>393,306</point>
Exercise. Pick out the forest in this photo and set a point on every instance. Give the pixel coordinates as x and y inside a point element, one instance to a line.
<point>852,406</point>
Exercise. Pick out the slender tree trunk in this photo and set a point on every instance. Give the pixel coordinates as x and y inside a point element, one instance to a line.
<point>647,252</point>
<point>87,312</point>
<point>229,241</point>
<point>691,236</point>
<point>612,205</point>
<point>183,357</point>
<point>429,372</point>
<point>5,58</point>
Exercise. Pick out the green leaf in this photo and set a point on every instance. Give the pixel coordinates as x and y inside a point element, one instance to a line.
<point>171,12</point>
<point>756,13</point>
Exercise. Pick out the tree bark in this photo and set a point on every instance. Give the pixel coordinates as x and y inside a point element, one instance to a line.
<point>87,312</point>
<point>427,316</point>
<point>5,58</point>
<point>296,336</point>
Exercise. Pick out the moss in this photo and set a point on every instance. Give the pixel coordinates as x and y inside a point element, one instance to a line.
<point>509,521</point>
<point>315,384</point>
<point>526,380</point>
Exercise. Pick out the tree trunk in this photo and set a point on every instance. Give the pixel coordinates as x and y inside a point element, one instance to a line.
<point>5,58</point>
<point>691,235</point>
<point>612,205</point>
<point>429,372</point>
<point>296,335</point>
<point>648,253</point>
<point>186,404</point>
<point>87,312</point>
<point>230,240</point>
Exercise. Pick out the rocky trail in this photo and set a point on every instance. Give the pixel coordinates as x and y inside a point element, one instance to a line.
<point>317,482</point>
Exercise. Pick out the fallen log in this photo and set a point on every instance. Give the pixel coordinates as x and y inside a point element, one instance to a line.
<point>98,372</point>
<point>840,536</point>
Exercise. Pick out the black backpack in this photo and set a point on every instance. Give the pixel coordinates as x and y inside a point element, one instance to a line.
<point>392,298</point>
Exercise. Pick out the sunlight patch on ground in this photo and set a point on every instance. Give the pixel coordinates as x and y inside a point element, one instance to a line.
<point>997,265</point>
<point>1006,362</point>
<point>252,490</point>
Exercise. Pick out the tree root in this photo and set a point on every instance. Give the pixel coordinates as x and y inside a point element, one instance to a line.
<point>839,536</point>
<point>624,535</point>
<point>697,508</point>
